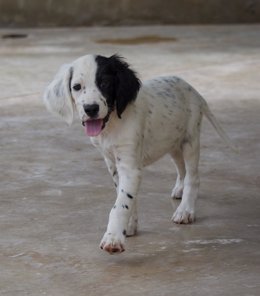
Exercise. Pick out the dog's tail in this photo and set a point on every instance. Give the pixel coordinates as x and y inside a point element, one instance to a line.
<point>212,119</point>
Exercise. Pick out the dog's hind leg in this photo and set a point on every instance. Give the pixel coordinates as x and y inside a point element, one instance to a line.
<point>133,221</point>
<point>185,213</point>
<point>178,159</point>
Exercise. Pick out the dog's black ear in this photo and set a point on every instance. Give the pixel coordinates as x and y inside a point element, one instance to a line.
<point>127,83</point>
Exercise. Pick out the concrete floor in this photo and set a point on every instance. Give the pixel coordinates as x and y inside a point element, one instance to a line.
<point>56,193</point>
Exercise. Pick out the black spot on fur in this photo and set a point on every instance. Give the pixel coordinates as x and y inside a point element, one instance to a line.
<point>124,232</point>
<point>129,195</point>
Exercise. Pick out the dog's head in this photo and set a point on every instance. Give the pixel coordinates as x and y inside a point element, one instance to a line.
<point>94,86</point>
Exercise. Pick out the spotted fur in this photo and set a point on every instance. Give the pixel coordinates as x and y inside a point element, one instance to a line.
<point>141,123</point>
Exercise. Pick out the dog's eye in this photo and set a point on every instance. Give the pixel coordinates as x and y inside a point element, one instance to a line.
<point>77,87</point>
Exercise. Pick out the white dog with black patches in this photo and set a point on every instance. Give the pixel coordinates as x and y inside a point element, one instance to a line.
<point>133,125</point>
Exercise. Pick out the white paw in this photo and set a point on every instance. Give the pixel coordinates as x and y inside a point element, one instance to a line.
<point>177,192</point>
<point>183,215</point>
<point>113,242</point>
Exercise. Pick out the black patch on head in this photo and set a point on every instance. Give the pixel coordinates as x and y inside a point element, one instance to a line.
<point>117,82</point>
<point>106,80</point>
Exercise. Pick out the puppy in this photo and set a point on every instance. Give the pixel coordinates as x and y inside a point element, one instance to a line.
<point>133,124</point>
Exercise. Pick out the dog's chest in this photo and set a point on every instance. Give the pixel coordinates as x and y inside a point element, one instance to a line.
<point>105,145</point>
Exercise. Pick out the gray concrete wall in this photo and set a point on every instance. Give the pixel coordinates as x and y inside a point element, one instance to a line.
<point>126,12</point>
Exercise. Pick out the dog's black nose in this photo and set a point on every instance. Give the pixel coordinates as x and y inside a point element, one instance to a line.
<point>91,110</point>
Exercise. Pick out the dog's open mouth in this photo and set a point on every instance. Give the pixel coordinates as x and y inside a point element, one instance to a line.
<point>93,127</point>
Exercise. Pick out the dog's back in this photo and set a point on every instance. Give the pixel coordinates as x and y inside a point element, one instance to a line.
<point>172,109</point>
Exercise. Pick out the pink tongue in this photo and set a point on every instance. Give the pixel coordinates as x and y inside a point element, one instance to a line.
<point>93,127</point>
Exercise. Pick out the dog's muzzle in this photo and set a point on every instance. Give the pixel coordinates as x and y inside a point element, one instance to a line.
<point>93,127</point>
<point>91,110</point>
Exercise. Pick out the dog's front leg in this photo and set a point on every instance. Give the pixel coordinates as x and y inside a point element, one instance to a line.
<point>111,166</point>
<point>129,181</point>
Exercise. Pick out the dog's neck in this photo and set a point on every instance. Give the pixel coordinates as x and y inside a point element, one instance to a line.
<point>111,121</point>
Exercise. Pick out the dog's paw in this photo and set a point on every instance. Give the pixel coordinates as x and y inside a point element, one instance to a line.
<point>113,243</point>
<point>177,192</point>
<point>183,215</point>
